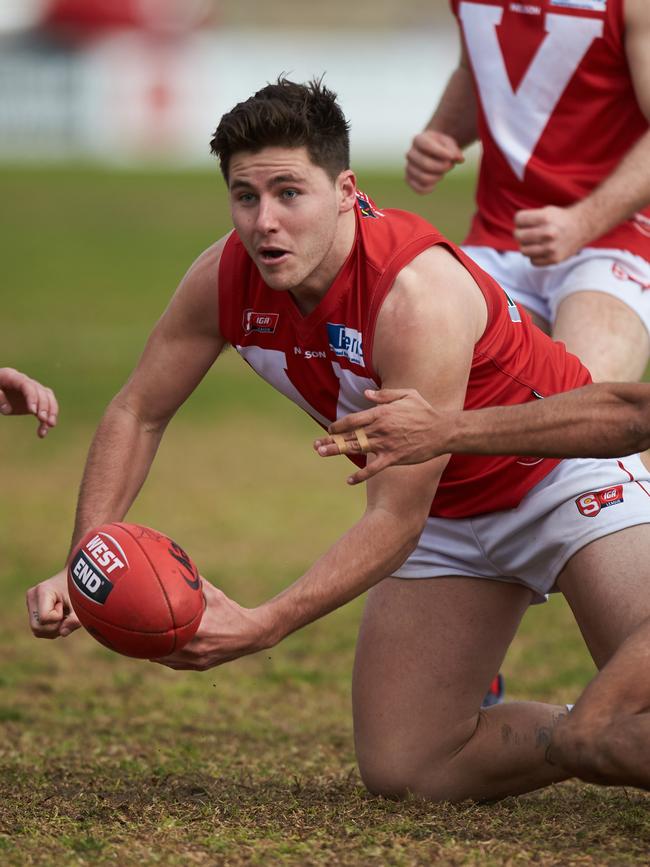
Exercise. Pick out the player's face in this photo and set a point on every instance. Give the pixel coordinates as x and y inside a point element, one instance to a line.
<point>293,220</point>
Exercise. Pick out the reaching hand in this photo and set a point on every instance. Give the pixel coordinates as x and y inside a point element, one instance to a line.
<point>550,235</point>
<point>49,608</point>
<point>226,632</point>
<point>20,395</point>
<point>405,430</point>
<point>431,156</point>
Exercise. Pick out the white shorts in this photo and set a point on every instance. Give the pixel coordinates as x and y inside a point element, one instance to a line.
<point>579,501</point>
<point>541,289</point>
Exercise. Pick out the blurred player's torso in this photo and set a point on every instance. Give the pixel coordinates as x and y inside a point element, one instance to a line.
<point>557,110</point>
<point>323,361</point>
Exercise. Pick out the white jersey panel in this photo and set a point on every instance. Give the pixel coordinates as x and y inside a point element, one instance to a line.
<point>271,364</point>
<point>518,118</point>
<point>351,396</point>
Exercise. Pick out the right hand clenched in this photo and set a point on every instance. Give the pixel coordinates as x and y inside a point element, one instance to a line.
<point>431,156</point>
<point>49,608</point>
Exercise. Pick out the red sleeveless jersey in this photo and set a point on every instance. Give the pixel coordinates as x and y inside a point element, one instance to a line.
<point>323,361</point>
<point>557,110</point>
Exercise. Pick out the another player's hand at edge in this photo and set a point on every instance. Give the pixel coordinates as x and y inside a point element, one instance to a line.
<point>431,156</point>
<point>405,430</point>
<point>226,632</point>
<point>21,395</point>
<point>49,609</point>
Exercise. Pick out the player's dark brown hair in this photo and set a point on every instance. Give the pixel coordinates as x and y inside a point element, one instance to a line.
<point>287,114</point>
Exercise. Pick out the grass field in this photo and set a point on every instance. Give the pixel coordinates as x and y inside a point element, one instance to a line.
<point>107,760</point>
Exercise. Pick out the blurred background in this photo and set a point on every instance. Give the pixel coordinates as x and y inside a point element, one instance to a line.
<point>142,80</point>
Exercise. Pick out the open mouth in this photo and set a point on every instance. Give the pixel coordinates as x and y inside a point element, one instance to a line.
<point>269,255</point>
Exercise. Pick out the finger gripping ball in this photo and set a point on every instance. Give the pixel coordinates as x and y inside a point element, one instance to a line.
<point>135,590</point>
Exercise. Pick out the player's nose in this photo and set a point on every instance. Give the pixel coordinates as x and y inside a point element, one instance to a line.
<point>267,218</point>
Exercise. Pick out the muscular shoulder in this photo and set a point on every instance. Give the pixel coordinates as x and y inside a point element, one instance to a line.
<point>203,273</point>
<point>427,328</point>
<point>432,290</point>
<point>197,294</point>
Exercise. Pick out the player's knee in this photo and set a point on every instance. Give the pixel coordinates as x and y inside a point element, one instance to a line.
<point>393,778</point>
<point>398,764</point>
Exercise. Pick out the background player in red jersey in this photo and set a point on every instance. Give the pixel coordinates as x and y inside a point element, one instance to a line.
<point>558,92</point>
<point>323,294</point>
<point>606,419</point>
<point>21,395</point>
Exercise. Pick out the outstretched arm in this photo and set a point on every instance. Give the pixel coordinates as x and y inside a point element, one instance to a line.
<point>603,420</point>
<point>551,234</point>
<point>181,348</point>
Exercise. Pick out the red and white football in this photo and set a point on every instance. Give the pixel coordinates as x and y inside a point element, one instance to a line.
<point>135,590</point>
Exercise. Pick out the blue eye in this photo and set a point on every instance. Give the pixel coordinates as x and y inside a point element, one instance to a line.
<point>290,194</point>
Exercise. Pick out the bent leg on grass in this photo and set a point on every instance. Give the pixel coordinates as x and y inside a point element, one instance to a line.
<point>426,653</point>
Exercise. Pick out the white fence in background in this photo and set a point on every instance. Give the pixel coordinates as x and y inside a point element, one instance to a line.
<point>129,99</point>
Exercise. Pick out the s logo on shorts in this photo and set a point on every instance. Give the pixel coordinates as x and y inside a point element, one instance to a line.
<point>590,504</point>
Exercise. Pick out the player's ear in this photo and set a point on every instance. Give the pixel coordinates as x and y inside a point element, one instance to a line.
<point>346,184</point>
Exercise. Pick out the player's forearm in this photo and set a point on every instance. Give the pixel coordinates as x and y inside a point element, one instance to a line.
<point>371,550</point>
<point>624,192</point>
<point>118,462</point>
<point>601,420</point>
<point>456,114</point>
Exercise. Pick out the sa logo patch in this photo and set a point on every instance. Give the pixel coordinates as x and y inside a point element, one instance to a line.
<point>590,504</point>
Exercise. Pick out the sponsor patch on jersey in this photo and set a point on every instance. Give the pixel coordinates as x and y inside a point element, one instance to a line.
<point>265,323</point>
<point>346,342</point>
<point>590,504</point>
<point>591,5</point>
<point>309,353</point>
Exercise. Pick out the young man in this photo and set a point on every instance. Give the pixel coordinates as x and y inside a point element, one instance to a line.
<point>601,420</point>
<point>558,92</point>
<point>21,395</point>
<point>324,295</point>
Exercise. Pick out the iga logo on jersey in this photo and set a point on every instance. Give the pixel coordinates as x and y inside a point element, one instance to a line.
<point>346,342</point>
<point>265,323</point>
<point>590,504</point>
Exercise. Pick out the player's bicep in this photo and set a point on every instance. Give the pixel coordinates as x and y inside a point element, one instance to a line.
<point>425,338</point>
<point>428,327</point>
